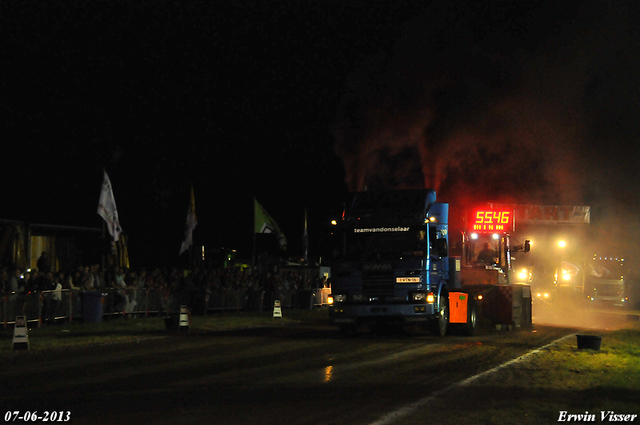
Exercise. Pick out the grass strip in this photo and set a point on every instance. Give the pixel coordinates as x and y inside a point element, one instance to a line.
<point>552,384</point>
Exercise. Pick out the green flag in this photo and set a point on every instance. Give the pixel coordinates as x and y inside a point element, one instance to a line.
<point>265,224</point>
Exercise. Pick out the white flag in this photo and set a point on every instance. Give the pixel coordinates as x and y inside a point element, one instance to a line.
<point>107,208</point>
<point>192,221</point>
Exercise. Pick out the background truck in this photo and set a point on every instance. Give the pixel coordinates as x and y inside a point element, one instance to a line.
<point>562,239</point>
<point>606,281</point>
<point>563,271</point>
<point>391,263</point>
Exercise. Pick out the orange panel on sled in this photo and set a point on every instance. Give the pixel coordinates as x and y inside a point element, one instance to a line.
<point>458,307</point>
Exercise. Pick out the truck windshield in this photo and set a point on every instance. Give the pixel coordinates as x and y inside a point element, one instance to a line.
<point>381,243</point>
<point>606,268</point>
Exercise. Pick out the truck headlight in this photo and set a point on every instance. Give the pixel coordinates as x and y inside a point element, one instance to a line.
<point>337,298</point>
<point>418,296</point>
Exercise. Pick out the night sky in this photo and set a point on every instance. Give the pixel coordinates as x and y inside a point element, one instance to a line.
<point>298,102</point>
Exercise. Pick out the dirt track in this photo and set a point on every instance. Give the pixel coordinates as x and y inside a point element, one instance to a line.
<point>296,375</point>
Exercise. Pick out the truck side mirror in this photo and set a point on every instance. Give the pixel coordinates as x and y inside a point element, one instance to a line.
<point>443,249</point>
<point>527,245</point>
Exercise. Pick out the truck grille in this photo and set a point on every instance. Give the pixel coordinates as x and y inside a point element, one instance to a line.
<point>378,284</point>
<point>608,290</point>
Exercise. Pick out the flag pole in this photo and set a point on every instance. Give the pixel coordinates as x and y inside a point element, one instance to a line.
<point>305,238</point>
<point>191,257</point>
<point>104,227</point>
<point>253,255</point>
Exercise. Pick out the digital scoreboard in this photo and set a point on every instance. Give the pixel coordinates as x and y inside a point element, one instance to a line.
<point>491,221</point>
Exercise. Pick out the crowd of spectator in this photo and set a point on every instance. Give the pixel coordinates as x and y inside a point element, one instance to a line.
<point>188,286</point>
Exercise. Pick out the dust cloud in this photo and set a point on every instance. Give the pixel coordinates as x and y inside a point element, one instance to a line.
<point>574,314</point>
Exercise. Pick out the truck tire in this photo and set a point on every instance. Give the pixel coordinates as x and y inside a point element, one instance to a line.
<point>440,324</point>
<point>469,328</point>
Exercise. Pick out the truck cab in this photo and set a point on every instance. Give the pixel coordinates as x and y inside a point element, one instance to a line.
<point>605,281</point>
<point>390,261</point>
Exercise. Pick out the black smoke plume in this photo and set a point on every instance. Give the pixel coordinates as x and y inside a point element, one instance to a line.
<point>527,102</point>
<point>469,109</point>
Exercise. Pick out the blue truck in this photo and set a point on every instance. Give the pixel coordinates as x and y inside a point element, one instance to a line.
<point>391,263</point>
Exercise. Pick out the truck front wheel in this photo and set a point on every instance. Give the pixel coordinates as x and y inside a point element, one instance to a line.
<point>439,325</point>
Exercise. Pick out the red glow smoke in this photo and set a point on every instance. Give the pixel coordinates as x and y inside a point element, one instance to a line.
<point>466,119</point>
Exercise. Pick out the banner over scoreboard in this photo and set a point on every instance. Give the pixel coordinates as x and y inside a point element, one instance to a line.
<point>547,214</point>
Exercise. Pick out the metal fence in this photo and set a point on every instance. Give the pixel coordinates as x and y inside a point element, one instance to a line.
<point>70,305</point>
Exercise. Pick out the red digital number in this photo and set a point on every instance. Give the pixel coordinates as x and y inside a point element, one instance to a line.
<point>489,221</point>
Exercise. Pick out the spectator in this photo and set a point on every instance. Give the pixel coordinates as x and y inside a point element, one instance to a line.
<point>150,279</point>
<point>16,291</point>
<point>98,278</point>
<point>50,300</point>
<point>56,296</point>
<point>142,277</point>
<point>15,283</point>
<point>121,300</point>
<point>77,276</point>
<point>129,277</point>
<point>68,281</point>
<point>43,263</point>
<point>32,280</point>
<point>4,282</point>
<point>87,280</point>
<point>18,286</point>
<point>137,285</point>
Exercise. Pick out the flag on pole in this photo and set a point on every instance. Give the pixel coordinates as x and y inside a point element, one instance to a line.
<point>265,224</point>
<point>305,238</point>
<point>192,221</point>
<point>107,208</point>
